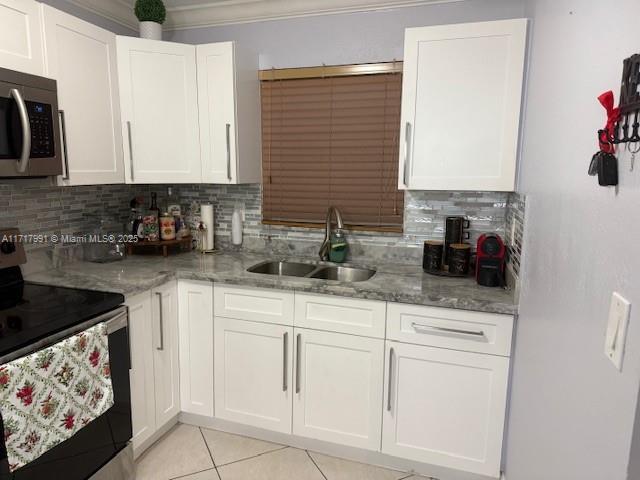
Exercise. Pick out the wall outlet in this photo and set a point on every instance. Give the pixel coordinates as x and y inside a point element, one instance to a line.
<point>619,313</point>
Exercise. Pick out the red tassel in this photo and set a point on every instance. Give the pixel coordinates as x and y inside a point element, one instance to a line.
<point>613,115</point>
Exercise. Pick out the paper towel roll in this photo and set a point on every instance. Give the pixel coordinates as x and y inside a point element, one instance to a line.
<point>206,214</point>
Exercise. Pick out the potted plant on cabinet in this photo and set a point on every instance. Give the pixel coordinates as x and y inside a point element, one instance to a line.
<point>151,14</point>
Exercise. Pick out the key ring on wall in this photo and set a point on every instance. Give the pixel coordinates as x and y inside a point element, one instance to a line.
<point>633,154</point>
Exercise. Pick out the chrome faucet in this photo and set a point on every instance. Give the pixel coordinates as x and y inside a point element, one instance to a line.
<point>324,249</point>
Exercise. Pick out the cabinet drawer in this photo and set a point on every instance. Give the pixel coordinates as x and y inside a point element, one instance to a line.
<point>450,328</point>
<point>339,314</point>
<point>257,304</point>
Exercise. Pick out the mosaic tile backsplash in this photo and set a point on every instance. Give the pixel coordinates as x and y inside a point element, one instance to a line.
<point>35,206</point>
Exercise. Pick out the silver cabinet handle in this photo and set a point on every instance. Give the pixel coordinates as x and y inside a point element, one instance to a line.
<point>389,386</point>
<point>160,315</point>
<point>285,360</point>
<point>26,130</point>
<point>63,133</point>
<point>229,151</point>
<point>298,348</point>
<point>407,139</point>
<point>420,328</point>
<point>130,150</point>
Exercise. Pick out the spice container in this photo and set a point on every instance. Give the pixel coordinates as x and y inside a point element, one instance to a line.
<point>167,227</point>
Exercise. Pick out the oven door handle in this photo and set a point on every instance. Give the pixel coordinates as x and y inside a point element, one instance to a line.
<point>23,163</point>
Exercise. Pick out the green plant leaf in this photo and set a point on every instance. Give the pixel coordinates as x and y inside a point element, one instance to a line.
<point>150,11</point>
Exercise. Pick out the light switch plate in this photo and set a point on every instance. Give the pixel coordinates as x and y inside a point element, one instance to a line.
<point>619,313</point>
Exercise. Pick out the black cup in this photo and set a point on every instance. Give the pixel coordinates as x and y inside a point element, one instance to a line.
<point>432,258</point>
<point>454,233</point>
<point>459,257</point>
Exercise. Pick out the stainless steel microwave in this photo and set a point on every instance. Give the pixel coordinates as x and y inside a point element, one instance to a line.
<point>29,126</point>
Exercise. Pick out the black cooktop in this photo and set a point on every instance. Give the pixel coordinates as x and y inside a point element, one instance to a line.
<point>30,312</point>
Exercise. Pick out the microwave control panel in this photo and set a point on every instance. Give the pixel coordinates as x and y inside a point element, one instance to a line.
<point>41,119</point>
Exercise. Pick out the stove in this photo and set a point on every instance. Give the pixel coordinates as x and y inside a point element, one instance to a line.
<point>34,316</point>
<point>30,312</point>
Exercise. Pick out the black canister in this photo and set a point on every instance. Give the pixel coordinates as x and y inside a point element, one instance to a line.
<point>432,256</point>
<point>459,257</point>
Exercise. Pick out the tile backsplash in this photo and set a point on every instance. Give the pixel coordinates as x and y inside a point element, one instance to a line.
<point>38,207</point>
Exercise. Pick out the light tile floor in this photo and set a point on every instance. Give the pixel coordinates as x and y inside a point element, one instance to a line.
<point>192,453</point>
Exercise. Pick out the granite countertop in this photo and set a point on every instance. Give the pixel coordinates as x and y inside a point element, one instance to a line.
<point>396,283</point>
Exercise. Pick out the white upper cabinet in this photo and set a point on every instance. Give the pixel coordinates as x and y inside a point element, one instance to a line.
<point>229,106</point>
<point>159,103</point>
<point>82,58</point>
<point>21,36</point>
<point>461,98</point>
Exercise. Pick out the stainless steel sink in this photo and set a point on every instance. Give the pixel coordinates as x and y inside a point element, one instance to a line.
<point>312,270</point>
<point>344,274</point>
<point>291,269</point>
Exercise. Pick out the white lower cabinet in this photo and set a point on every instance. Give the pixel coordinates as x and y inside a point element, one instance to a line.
<point>252,373</point>
<point>195,307</point>
<point>143,407</point>
<point>154,375</point>
<point>165,352</point>
<point>424,384</point>
<point>445,407</point>
<point>338,388</point>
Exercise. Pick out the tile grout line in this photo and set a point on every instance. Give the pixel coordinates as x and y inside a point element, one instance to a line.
<point>314,462</point>
<point>190,474</point>
<point>255,456</point>
<point>210,454</point>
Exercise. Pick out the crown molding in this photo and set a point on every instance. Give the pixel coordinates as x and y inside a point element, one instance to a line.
<point>242,11</point>
<point>227,12</point>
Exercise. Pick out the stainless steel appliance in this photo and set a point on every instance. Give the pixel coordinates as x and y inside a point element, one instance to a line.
<point>34,316</point>
<point>30,143</point>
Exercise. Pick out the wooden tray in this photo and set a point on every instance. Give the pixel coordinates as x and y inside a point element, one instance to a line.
<point>160,246</point>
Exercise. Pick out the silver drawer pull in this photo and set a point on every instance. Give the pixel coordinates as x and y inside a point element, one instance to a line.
<point>285,360</point>
<point>420,328</point>
<point>160,321</point>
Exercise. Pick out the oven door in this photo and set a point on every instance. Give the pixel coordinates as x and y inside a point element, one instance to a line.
<point>30,142</point>
<point>102,440</point>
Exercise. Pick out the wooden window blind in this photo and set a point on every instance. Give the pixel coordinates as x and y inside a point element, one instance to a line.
<point>332,141</point>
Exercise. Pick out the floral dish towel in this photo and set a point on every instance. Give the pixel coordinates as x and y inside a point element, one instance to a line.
<point>47,396</point>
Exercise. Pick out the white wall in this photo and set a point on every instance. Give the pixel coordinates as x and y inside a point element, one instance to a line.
<point>345,38</point>
<point>72,9</point>
<point>572,412</point>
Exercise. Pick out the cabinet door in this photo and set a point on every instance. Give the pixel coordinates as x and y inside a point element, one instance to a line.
<point>165,352</point>
<point>253,373</point>
<point>195,317</point>
<point>143,407</point>
<point>338,388</point>
<point>461,96</point>
<point>158,98</point>
<point>445,407</point>
<point>217,106</point>
<point>82,58</point>
<point>21,36</point>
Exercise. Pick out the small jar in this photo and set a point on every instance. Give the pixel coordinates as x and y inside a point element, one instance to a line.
<point>150,223</point>
<point>167,227</point>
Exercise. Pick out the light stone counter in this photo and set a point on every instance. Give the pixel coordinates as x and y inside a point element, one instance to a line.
<point>394,283</point>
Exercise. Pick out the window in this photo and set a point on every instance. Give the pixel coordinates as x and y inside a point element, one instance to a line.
<point>331,138</point>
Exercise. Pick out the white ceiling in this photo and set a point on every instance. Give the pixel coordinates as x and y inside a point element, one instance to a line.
<point>200,13</point>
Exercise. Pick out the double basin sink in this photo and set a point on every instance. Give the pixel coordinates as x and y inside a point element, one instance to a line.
<point>310,270</point>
